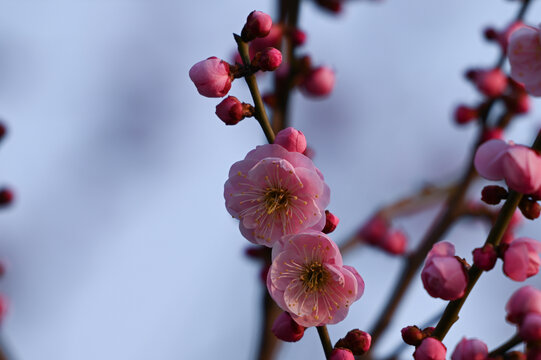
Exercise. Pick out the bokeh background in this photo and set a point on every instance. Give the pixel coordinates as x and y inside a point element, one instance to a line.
<point>119,245</point>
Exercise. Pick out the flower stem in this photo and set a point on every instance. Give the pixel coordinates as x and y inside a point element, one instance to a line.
<point>260,113</point>
<point>325,340</point>
<point>505,347</point>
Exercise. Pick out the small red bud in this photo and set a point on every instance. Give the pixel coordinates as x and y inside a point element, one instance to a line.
<point>490,33</point>
<point>286,329</point>
<point>493,194</point>
<point>465,114</point>
<point>529,208</point>
<point>268,59</point>
<point>485,258</point>
<point>492,133</point>
<point>331,221</point>
<point>412,335</point>
<point>6,197</point>
<point>231,110</point>
<point>355,340</point>
<point>258,25</point>
<point>299,37</point>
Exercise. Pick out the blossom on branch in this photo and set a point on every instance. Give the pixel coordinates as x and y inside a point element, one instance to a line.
<point>308,280</point>
<point>275,192</point>
<point>524,51</point>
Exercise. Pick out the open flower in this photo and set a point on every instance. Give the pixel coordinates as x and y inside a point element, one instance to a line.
<point>308,280</point>
<point>524,51</point>
<point>274,192</point>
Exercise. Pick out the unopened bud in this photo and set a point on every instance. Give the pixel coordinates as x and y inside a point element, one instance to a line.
<point>231,110</point>
<point>341,354</point>
<point>331,221</point>
<point>286,329</point>
<point>465,114</point>
<point>355,340</point>
<point>529,208</point>
<point>319,82</point>
<point>491,83</point>
<point>493,194</point>
<point>485,258</point>
<point>412,335</point>
<point>298,37</point>
<point>258,25</point>
<point>268,59</point>
<point>6,197</point>
<point>291,139</point>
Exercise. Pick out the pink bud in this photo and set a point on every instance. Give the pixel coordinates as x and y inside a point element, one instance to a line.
<point>230,110</point>
<point>488,159</point>
<point>357,341</point>
<point>430,349</point>
<point>521,259</point>
<point>412,335</point>
<point>522,169</point>
<point>331,222</point>
<point>530,328</point>
<point>485,258</point>
<point>258,25</point>
<point>286,329</point>
<point>491,83</point>
<point>268,59</point>
<point>341,354</point>
<point>291,139</point>
<point>394,242</point>
<point>374,230</point>
<point>298,37</point>
<point>493,194</point>
<point>319,82</point>
<point>470,349</point>
<point>211,77</point>
<point>443,275</point>
<point>465,114</point>
<point>525,300</point>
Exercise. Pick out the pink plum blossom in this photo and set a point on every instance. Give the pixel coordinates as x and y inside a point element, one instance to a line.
<point>521,259</point>
<point>430,349</point>
<point>341,354</point>
<point>308,280</point>
<point>443,275</point>
<point>211,77</point>
<point>319,82</point>
<point>519,165</point>
<point>275,192</point>
<point>524,53</point>
<point>286,329</point>
<point>291,139</point>
<point>530,328</point>
<point>470,349</point>
<point>525,300</point>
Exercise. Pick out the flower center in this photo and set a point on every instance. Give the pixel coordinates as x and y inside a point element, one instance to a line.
<point>275,199</point>
<point>314,276</point>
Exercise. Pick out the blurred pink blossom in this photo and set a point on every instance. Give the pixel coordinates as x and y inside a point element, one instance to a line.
<point>524,53</point>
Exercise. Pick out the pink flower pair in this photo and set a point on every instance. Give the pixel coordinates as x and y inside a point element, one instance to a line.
<point>518,165</point>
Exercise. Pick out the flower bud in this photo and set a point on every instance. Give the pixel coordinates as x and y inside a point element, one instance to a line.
<point>430,349</point>
<point>230,110</point>
<point>341,354</point>
<point>331,222</point>
<point>291,139</point>
<point>268,59</point>
<point>211,77</point>
<point>286,329</point>
<point>529,208</point>
<point>493,194</point>
<point>488,159</point>
<point>374,230</point>
<point>522,169</point>
<point>521,259</point>
<point>485,258</point>
<point>355,340</point>
<point>470,349</point>
<point>525,300</point>
<point>394,242</point>
<point>443,275</point>
<point>530,327</point>
<point>412,335</point>
<point>298,37</point>
<point>491,83</point>
<point>3,130</point>
<point>258,25</point>
<point>465,114</point>
<point>319,82</point>
<point>491,134</point>
<point>6,197</point>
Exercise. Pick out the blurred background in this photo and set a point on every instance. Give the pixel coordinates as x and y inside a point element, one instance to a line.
<point>119,245</point>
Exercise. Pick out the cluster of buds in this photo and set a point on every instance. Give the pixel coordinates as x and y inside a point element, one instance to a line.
<point>377,232</point>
